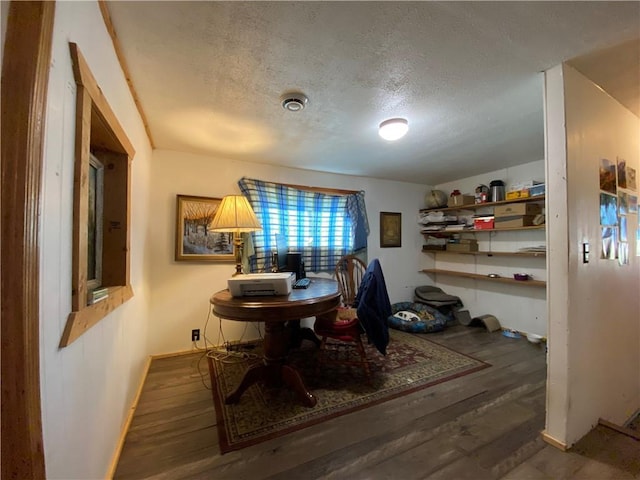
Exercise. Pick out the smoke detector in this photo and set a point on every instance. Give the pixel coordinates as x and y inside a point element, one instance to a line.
<point>294,102</point>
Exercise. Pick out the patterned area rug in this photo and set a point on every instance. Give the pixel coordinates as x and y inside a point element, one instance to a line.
<point>412,363</point>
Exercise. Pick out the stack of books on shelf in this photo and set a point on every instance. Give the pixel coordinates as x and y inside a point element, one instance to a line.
<point>536,249</point>
<point>436,217</point>
<point>439,222</point>
<point>455,228</point>
<point>432,228</point>
<point>433,242</point>
<point>435,221</point>
<point>98,295</point>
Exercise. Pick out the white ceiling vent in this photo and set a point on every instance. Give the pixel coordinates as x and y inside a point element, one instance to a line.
<point>294,102</point>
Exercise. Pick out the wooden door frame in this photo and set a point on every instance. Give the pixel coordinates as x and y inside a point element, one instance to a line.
<point>25,78</point>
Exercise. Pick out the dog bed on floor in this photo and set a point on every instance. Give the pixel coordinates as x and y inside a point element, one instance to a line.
<point>436,298</point>
<point>416,318</point>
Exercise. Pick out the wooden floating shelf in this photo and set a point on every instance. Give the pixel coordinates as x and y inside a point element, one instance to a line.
<point>489,254</point>
<point>473,206</point>
<point>475,276</point>
<point>513,229</point>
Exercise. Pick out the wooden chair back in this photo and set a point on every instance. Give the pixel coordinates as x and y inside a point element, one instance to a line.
<point>349,273</point>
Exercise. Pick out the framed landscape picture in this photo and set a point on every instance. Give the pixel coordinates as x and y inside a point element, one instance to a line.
<point>390,229</point>
<point>194,239</point>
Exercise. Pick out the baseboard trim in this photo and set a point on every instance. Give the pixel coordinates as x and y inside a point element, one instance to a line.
<point>553,442</point>
<point>125,428</point>
<point>624,430</point>
<point>632,418</point>
<point>178,354</point>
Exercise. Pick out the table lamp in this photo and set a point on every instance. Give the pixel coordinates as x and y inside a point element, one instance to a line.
<point>235,215</point>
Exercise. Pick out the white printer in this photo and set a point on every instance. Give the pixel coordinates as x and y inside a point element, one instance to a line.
<point>259,284</point>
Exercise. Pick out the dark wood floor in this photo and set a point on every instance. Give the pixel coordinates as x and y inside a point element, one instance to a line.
<point>481,426</point>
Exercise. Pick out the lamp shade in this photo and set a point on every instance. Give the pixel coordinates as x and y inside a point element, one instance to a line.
<point>393,129</point>
<point>235,215</point>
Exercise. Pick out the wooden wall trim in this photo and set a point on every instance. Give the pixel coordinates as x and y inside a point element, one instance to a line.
<point>554,442</point>
<point>83,76</point>
<point>80,202</point>
<point>621,429</point>
<point>129,419</point>
<point>181,353</point>
<point>106,16</point>
<point>82,320</point>
<point>97,127</point>
<point>28,36</point>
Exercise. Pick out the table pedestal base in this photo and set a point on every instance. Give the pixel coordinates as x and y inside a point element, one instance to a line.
<point>271,374</point>
<point>273,370</point>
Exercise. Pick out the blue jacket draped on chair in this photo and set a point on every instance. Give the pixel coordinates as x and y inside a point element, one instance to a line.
<point>373,306</point>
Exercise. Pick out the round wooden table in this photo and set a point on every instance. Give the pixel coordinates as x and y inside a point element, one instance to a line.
<point>320,297</point>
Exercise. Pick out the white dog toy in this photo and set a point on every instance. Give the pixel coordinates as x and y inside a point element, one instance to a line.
<point>408,316</point>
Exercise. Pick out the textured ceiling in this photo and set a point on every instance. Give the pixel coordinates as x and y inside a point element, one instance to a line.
<point>210,75</point>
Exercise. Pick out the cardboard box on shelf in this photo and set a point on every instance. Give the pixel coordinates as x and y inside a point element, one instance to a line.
<point>459,200</point>
<point>427,248</point>
<point>462,247</point>
<point>512,209</point>
<point>467,246</point>
<point>483,223</point>
<point>514,221</point>
<point>514,195</point>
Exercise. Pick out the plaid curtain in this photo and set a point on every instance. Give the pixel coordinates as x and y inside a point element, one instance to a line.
<point>320,226</point>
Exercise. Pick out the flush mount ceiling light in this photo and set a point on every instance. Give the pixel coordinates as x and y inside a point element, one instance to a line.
<point>294,102</point>
<point>394,128</point>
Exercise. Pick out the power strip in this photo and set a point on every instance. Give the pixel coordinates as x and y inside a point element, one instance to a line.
<point>235,346</point>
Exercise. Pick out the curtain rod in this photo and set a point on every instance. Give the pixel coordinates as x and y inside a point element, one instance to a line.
<point>321,189</point>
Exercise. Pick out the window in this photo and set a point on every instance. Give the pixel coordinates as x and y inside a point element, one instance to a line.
<point>101,205</point>
<point>95,194</point>
<point>323,225</point>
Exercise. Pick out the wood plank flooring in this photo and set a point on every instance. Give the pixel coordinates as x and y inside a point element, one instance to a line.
<point>481,426</point>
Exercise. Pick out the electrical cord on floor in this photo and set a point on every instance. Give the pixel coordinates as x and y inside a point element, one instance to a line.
<point>230,357</point>
<point>222,353</point>
<point>257,327</point>
<point>197,348</point>
<point>203,375</point>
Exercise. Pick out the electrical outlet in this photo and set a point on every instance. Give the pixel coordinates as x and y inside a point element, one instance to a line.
<point>195,334</point>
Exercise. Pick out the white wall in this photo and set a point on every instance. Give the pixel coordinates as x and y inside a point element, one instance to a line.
<point>594,369</point>
<point>517,307</point>
<point>181,290</point>
<point>558,254</point>
<point>87,387</point>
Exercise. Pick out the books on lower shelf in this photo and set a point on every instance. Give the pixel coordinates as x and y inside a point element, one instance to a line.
<point>98,295</point>
<point>536,249</point>
<point>454,228</point>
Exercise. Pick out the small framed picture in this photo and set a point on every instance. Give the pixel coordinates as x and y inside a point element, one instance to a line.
<point>194,240</point>
<point>390,229</point>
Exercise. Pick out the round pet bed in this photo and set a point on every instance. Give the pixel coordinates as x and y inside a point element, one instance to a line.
<point>434,297</point>
<point>430,320</point>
